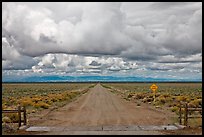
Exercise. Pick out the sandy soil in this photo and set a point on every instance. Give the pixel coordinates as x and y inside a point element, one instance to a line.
<point>101,107</point>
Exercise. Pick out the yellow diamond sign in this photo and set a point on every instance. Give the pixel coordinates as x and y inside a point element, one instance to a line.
<point>154,87</point>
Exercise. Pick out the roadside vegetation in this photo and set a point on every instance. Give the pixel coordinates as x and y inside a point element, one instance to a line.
<point>168,96</point>
<point>38,96</point>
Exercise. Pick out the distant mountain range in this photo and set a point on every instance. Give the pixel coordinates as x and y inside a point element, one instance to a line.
<point>93,79</point>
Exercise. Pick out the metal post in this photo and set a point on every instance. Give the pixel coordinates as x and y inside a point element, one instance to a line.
<point>186,115</point>
<point>24,116</point>
<point>180,115</point>
<point>19,116</point>
<point>154,96</point>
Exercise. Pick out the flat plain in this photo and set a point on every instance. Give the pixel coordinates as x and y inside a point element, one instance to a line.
<point>102,104</point>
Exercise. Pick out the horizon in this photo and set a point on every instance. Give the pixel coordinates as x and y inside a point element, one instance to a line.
<point>58,79</point>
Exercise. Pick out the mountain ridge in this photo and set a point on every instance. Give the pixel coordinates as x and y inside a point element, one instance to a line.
<point>55,78</point>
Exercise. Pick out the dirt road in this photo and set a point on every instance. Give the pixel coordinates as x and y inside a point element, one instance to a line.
<point>101,107</point>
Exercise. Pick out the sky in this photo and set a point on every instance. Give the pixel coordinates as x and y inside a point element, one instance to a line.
<point>150,39</point>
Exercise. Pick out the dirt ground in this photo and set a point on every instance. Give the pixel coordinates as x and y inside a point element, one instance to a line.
<point>101,107</point>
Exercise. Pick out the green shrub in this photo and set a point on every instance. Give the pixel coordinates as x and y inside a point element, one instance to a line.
<point>6,119</point>
<point>139,96</point>
<point>42,105</point>
<point>174,109</point>
<point>150,99</point>
<point>195,103</point>
<point>129,95</point>
<point>144,100</point>
<point>13,117</point>
<point>138,104</point>
<point>162,99</point>
<point>181,98</point>
<point>26,102</point>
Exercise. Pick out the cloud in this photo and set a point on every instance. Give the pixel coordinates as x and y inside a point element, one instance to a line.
<point>94,63</point>
<point>69,63</point>
<point>181,38</point>
<point>9,50</point>
<point>37,31</point>
<point>12,59</point>
<point>173,59</point>
<point>166,5</point>
<point>101,38</point>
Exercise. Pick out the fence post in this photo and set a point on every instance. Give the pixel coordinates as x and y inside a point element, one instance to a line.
<point>24,115</point>
<point>180,115</point>
<point>186,115</point>
<point>19,116</point>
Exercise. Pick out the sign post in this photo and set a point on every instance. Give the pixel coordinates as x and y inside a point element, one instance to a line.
<point>154,88</point>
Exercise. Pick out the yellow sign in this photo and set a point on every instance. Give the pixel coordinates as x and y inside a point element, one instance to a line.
<point>154,87</point>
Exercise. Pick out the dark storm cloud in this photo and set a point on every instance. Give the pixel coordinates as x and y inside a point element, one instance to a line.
<point>184,61</point>
<point>159,69</point>
<point>166,5</point>
<point>103,29</point>
<point>20,63</point>
<point>46,39</point>
<point>94,63</point>
<point>165,68</point>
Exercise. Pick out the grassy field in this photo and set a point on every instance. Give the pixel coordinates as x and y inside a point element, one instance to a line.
<point>168,95</point>
<point>38,96</point>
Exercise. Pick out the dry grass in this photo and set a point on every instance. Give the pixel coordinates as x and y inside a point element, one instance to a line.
<point>36,97</point>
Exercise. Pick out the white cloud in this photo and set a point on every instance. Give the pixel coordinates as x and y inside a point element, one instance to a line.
<point>114,37</point>
<point>9,51</point>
